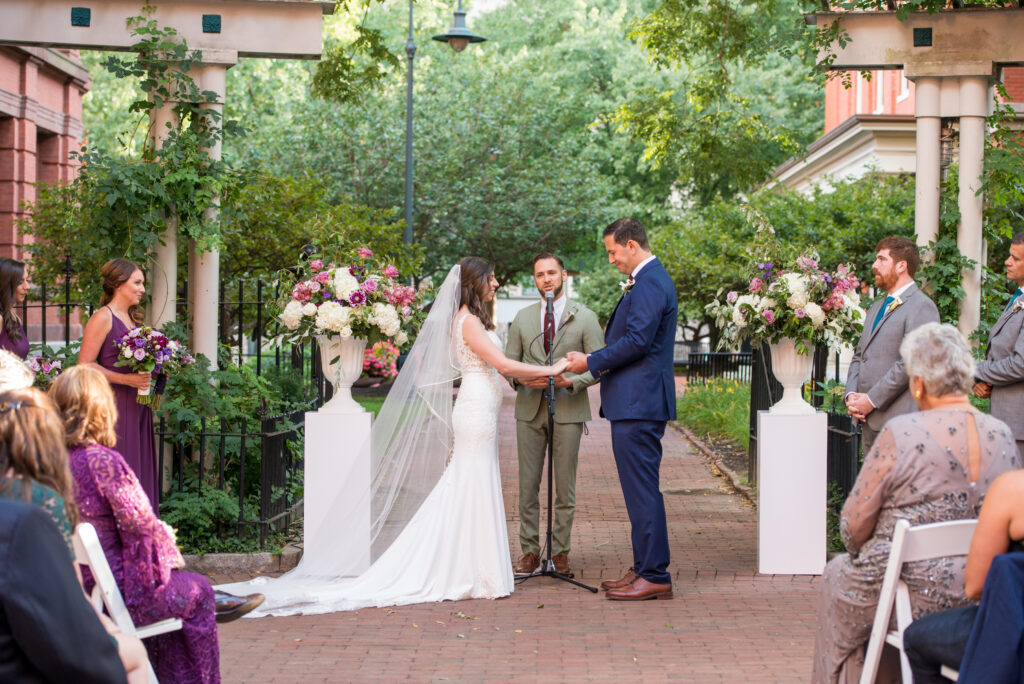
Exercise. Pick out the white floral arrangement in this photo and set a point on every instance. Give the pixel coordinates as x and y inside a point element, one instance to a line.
<point>803,302</point>
<point>359,300</point>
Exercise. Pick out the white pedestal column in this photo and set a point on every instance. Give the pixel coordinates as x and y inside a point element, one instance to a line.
<point>791,475</point>
<point>339,451</point>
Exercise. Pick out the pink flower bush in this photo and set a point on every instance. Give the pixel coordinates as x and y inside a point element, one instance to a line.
<point>381,360</point>
<point>364,253</point>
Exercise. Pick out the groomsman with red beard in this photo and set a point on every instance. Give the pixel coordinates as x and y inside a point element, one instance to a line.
<point>877,384</point>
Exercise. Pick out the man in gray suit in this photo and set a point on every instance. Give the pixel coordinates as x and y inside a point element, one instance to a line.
<point>876,384</point>
<point>1001,375</point>
<point>573,327</point>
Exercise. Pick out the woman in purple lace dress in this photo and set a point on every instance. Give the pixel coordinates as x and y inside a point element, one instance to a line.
<point>123,288</point>
<point>140,549</point>
<point>13,290</point>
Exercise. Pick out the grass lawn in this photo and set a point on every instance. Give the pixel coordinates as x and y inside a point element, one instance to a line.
<point>371,403</point>
<point>719,407</point>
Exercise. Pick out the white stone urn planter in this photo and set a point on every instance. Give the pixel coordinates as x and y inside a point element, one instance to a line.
<point>342,363</point>
<point>792,370</point>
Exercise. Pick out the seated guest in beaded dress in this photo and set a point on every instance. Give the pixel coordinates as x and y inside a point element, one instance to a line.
<point>139,547</point>
<point>925,467</point>
<point>13,290</point>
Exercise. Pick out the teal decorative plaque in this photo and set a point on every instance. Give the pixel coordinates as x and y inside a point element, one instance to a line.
<point>211,23</point>
<point>81,16</point>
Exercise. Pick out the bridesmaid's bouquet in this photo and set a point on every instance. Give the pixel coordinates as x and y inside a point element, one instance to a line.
<point>145,350</point>
<point>46,370</point>
<point>363,299</point>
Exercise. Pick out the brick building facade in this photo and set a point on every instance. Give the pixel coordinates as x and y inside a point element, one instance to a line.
<point>41,93</point>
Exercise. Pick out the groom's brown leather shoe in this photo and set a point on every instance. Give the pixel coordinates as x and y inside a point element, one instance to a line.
<point>641,590</point>
<point>561,563</point>
<point>527,564</point>
<point>623,581</point>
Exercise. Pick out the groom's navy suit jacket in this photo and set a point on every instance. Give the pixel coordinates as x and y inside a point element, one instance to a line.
<point>636,367</point>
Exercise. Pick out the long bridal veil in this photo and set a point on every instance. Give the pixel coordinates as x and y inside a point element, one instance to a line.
<point>412,441</point>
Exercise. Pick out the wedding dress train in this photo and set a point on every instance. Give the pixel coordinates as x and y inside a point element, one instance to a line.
<point>454,547</point>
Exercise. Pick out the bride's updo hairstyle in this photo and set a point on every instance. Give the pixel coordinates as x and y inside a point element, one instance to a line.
<point>476,275</point>
<point>116,273</point>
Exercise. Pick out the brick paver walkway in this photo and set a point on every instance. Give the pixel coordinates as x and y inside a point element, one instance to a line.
<point>726,623</point>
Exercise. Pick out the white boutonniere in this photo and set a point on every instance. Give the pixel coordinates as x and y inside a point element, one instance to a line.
<point>627,284</point>
<point>893,305</point>
<point>1017,305</point>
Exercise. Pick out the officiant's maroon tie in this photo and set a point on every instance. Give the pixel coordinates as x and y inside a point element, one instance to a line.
<point>549,331</point>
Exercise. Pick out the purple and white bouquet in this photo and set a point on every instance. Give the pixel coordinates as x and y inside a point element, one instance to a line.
<point>802,302</point>
<point>146,350</point>
<point>361,300</point>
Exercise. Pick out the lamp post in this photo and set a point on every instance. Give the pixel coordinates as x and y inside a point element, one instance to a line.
<point>458,37</point>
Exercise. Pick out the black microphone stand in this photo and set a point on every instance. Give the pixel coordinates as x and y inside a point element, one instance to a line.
<point>547,566</point>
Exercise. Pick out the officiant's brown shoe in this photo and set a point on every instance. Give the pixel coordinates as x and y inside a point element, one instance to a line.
<point>641,590</point>
<point>561,562</point>
<point>527,564</point>
<point>623,581</point>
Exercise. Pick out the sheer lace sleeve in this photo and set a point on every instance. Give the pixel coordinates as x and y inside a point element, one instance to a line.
<point>149,551</point>
<point>860,513</point>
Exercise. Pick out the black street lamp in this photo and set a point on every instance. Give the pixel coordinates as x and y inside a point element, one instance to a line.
<point>458,37</point>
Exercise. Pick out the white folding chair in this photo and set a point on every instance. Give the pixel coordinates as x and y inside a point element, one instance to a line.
<point>910,544</point>
<point>105,593</point>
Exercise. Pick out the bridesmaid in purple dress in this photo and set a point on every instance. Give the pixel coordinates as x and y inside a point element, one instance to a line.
<point>120,311</point>
<point>13,290</point>
<point>140,549</point>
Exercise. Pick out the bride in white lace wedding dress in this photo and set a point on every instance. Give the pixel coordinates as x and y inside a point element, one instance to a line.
<point>450,541</point>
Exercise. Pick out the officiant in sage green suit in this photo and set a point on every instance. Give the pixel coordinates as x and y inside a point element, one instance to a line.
<point>575,328</point>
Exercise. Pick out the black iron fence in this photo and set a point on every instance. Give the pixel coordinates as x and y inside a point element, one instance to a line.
<point>259,460</point>
<point>704,366</point>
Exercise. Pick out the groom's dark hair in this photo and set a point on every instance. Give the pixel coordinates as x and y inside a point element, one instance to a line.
<point>626,229</point>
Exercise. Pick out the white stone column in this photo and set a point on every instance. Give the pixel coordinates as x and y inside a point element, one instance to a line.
<point>973,109</point>
<point>927,173</point>
<point>163,281</point>
<point>204,266</point>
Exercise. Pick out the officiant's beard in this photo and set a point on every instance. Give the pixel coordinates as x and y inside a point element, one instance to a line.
<point>556,293</point>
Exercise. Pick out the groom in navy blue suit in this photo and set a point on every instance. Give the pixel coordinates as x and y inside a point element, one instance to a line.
<point>638,396</point>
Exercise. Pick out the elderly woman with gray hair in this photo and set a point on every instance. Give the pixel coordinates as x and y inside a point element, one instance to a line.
<point>926,467</point>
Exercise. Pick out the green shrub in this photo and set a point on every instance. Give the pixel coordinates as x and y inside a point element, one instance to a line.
<point>718,407</point>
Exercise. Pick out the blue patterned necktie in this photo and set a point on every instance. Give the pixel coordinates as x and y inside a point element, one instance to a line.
<point>881,312</point>
<point>1013,300</point>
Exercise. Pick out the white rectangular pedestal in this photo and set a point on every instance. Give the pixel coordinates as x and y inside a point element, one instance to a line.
<point>791,473</point>
<point>338,453</point>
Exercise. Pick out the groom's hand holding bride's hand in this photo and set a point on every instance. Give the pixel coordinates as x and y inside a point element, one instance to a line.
<point>577,362</point>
